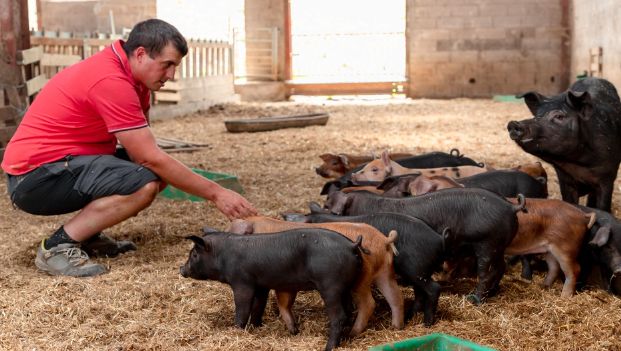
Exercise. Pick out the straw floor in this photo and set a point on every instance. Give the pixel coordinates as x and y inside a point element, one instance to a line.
<point>144,304</point>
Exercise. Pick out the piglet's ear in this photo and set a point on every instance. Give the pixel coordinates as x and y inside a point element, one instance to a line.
<point>329,187</point>
<point>326,157</point>
<point>339,203</point>
<point>404,182</point>
<point>315,207</point>
<point>581,102</point>
<point>422,186</point>
<point>385,156</point>
<point>601,237</point>
<point>387,183</point>
<point>533,100</point>
<point>198,241</point>
<point>386,161</point>
<point>344,159</point>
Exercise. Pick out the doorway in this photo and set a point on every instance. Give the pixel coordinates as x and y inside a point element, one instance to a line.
<point>351,43</point>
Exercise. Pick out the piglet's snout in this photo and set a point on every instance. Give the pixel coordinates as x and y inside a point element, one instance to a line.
<point>183,272</point>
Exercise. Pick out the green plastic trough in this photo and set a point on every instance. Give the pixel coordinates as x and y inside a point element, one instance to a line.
<point>507,98</point>
<point>226,180</point>
<point>432,342</point>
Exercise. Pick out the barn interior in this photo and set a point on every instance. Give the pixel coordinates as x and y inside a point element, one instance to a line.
<point>412,76</point>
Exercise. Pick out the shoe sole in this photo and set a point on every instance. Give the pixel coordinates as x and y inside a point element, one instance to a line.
<point>44,267</point>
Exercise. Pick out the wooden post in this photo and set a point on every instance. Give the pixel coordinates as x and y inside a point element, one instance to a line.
<point>15,36</point>
<point>275,53</point>
<point>287,38</point>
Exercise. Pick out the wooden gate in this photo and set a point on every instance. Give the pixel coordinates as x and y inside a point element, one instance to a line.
<point>207,64</point>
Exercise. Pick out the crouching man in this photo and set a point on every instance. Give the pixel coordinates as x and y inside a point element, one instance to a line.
<point>62,157</point>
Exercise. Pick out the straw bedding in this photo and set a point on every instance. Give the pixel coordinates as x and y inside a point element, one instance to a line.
<point>144,304</point>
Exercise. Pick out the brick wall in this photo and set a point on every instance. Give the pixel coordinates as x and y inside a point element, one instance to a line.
<point>475,48</point>
<point>597,24</point>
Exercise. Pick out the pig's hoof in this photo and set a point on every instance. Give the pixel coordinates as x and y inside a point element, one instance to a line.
<point>474,299</point>
<point>293,330</point>
<point>417,306</point>
<point>615,284</point>
<point>526,280</point>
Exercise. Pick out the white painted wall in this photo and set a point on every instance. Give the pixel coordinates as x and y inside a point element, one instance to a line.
<point>597,23</point>
<point>32,15</point>
<point>348,40</point>
<point>203,19</point>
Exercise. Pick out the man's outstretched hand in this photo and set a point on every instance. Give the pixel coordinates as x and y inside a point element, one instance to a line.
<point>233,205</point>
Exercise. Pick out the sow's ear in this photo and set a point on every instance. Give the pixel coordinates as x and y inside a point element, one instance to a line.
<point>581,102</point>
<point>533,100</point>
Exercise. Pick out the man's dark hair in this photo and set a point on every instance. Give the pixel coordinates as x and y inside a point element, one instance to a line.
<point>154,35</point>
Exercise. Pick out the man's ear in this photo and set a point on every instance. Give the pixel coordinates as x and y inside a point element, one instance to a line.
<point>139,54</point>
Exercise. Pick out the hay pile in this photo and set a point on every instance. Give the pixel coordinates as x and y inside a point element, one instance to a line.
<point>144,304</point>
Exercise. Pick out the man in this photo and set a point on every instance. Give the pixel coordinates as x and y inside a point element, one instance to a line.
<point>61,159</point>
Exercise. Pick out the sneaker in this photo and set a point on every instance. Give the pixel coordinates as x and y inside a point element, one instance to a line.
<point>102,245</point>
<point>67,259</point>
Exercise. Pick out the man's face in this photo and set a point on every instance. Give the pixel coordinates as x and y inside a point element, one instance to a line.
<point>154,72</point>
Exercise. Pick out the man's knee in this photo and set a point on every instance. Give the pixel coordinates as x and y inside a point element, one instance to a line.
<point>149,191</point>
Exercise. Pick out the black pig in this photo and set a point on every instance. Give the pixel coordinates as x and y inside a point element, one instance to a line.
<point>420,251</point>
<point>293,260</point>
<point>601,256</point>
<point>579,133</point>
<point>507,183</point>
<point>481,221</point>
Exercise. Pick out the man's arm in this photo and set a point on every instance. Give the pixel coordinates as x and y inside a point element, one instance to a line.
<point>142,148</point>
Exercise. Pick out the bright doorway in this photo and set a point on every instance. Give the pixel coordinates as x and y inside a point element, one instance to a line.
<point>347,41</point>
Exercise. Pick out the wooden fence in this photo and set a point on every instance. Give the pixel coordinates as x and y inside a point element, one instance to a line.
<point>15,99</point>
<point>205,58</point>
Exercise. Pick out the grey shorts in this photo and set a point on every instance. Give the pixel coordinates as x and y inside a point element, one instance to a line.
<point>71,183</point>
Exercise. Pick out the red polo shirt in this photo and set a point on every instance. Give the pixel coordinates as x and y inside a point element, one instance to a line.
<point>78,111</point>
